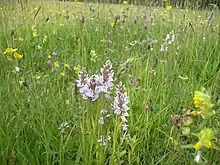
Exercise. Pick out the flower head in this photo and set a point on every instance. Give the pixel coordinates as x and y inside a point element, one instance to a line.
<point>83,77</point>
<point>17,69</point>
<point>91,87</point>
<point>198,157</point>
<point>120,105</point>
<point>107,78</point>
<point>10,50</point>
<point>164,48</point>
<point>205,136</point>
<point>63,128</point>
<point>169,8</point>
<point>203,101</point>
<point>18,56</point>
<point>102,140</point>
<point>104,115</point>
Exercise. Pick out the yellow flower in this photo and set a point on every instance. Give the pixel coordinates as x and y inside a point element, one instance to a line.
<point>49,57</point>
<point>10,50</point>
<point>112,24</point>
<point>76,69</point>
<point>205,136</point>
<point>125,2</point>
<point>56,64</point>
<point>183,78</point>
<point>195,113</point>
<point>103,41</point>
<point>37,77</point>
<point>34,34</point>
<point>18,56</point>
<point>44,39</point>
<point>169,7</point>
<point>203,101</point>
<point>67,66</point>
<point>39,46</point>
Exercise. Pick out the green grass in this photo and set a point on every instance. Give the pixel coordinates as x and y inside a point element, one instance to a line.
<point>31,114</point>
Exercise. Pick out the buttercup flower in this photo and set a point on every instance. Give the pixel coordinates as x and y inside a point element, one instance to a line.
<point>17,55</point>
<point>10,50</point>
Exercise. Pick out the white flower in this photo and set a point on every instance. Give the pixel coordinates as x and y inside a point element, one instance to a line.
<point>198,157</point>
<point>101,121</point>
<point>124,127</point>
<point>17,69</point>
<point>103,140</point>
<point>163,48</point>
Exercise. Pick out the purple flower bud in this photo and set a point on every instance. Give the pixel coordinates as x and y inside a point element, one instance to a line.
<point>49,63</point>
<point>109,42</point>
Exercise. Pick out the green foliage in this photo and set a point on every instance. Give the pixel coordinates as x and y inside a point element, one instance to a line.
<point>177,3</point>
<point>37,98</point>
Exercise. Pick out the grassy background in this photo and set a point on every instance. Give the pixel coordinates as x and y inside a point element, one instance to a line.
<point>31,115</point>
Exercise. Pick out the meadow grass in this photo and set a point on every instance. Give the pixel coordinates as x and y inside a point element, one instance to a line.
<point>36,98</point>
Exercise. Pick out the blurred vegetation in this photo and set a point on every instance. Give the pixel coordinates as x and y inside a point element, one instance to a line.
<point>193,4</point>
<point>176,3</point>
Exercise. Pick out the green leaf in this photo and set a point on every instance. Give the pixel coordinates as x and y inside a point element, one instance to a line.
<point>214,146</point>
<point>187,146</point>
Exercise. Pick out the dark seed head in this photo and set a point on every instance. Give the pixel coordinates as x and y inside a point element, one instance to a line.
<point>48,18</point>
<point>25,83</point>
<point>12,32</point>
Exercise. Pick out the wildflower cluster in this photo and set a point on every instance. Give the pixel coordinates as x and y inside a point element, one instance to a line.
<point>205,136</point>
<point>92,86</point>
<point>16,55</point>
<point>102,140</point>
<point>183,121</point>
<point>169,39</point>
<point>63,128</point>
<point>120,105</point>
<point>203,101</point>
